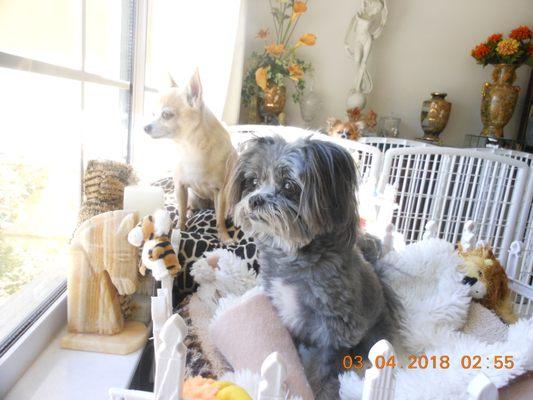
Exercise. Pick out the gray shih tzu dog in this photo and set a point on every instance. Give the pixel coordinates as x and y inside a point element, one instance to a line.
<point>297,200</point>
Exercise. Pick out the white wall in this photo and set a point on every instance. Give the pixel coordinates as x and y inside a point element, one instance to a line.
<point>424,47</point>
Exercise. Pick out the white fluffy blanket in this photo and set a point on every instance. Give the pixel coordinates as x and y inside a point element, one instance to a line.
<point>425,277</point>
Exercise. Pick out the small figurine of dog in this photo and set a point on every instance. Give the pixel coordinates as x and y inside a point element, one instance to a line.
<point>488,281</point>
<point>345,130</point>
<point>353,128</point>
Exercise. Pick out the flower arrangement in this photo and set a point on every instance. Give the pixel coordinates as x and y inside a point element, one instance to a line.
<point>278,61</point>
<point>517,49</point>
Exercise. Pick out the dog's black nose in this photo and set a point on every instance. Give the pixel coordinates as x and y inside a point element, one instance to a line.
<point>467,280</point>
<point>256,201</point>
<point>148,128</point>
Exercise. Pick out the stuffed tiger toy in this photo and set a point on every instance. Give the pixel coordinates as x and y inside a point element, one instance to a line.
<point>158,255</point>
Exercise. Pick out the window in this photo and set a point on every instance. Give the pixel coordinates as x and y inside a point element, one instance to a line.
<point>176,44</point>
<point>65,98</point>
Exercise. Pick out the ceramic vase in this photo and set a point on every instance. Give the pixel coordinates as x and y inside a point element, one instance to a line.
<point>498,100</point>
<point>434,116</point>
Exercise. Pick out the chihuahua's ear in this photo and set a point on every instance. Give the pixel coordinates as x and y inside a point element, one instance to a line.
<point>172,81</point>
<point>194,90</point>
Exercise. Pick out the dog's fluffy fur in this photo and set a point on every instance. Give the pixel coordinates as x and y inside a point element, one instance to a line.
<point>205,150</point>
<point>298,202</point>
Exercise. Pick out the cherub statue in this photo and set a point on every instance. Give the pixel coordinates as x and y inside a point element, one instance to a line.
<point>365,26</point>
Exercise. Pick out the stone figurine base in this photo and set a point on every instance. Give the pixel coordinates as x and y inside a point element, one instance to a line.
<point>132,338</point>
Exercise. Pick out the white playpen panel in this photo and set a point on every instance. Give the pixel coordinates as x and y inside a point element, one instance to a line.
<point>387,143</point>
<point>368,158</point>
<point>452,186</point>
<point>520,271</point>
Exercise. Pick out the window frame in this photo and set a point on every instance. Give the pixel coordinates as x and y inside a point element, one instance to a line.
<point>51,314</point>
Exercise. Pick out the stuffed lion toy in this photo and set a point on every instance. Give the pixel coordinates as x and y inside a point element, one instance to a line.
<point>488,281</point>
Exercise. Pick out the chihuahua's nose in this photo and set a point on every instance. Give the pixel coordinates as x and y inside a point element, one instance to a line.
<point>148,128</point>
<point>256,201</point>
<point>344,135</point>
<point>469,281</point>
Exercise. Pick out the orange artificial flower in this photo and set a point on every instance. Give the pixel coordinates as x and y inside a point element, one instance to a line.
<point>298,8</point>
<point>507,47</point>
<point>262,34</point>
<point>307,39</point>
<point>494,38</point>
<point>261,77</point>
<point>521,33</point>
<point>295,72</point>
<point>275,49</point>
<point>480,51</point>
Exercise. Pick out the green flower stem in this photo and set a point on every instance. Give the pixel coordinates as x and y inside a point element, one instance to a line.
<point>274,19</point>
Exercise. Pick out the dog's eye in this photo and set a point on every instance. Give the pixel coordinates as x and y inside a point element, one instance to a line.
<point>251,183</point>
<point>480,273</point>
<point>289,186</point>
<point>166,114</point>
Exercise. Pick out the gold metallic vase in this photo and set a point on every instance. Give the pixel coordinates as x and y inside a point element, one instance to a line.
<point>434,116</point>
<point>498,100</point>
<point>274,99</point>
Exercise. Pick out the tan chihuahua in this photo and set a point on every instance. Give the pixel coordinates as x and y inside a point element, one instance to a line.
<point>205,150</point>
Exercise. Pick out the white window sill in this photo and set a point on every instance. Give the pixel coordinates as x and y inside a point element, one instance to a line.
<point>59,374</point>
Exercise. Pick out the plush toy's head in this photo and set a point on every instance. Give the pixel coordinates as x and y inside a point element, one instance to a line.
<point>485,275</point>
<point>345,130</point>
<point>150,227</point>
<point>158,254</point>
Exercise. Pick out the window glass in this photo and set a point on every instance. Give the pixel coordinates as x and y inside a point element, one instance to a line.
<point>48,31</point>
<point>108,27</point>
<point>39,188</point>
<point>105,122</point>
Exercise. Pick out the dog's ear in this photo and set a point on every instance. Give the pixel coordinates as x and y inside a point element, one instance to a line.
<point>328,193</point>
<point>194,90</point>
<point>233,183</point>
<point>171,80</point>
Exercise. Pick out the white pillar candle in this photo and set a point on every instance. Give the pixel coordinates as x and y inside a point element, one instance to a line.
<point>143,199</point>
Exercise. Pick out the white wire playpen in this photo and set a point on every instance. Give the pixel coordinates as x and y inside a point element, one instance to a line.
<point>438,192</point>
